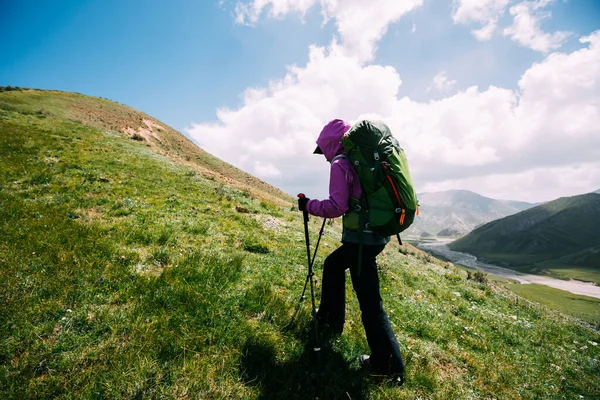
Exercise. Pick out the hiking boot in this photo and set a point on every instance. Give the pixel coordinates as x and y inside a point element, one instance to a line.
<point>396,377</point>
<point>364,362</point>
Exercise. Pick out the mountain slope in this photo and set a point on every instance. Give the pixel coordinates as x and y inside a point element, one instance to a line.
<point>128,275</point>
<point>120,119</point>
<point>562,232</point>
<point>456,212</point>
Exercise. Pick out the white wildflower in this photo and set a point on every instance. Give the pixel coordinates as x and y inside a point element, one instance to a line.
<point>514,317</point>
<point>456,294</point>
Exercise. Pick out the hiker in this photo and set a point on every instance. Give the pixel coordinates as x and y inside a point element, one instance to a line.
<point>385,355</point>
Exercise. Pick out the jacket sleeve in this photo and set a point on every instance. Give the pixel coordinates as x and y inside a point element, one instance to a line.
<point>339,195</point>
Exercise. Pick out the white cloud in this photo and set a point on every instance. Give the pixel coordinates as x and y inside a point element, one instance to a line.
<point>266,170</point>
<point>526,30</point>
<point>249,13</point>
<point>477,10</point>
<point>442,83</point>
<point>360,24</point>
<point>486,32</point>
<point>486,12</point>
<point>535,185</point>
<point>537,142</point>
<point>278,125</point>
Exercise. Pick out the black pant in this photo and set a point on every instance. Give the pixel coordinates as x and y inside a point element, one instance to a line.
<point>385,352</point>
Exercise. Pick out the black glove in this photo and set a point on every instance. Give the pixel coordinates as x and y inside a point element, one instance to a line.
<point>302,203</point>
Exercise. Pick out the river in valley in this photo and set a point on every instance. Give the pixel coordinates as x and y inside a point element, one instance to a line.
<point>573,286</point>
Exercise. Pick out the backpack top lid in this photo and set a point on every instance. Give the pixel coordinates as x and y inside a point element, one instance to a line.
<point>371,137</point>
<point>369,143</point>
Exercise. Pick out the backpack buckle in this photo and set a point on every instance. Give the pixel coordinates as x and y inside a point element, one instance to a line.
<point>376,156</point>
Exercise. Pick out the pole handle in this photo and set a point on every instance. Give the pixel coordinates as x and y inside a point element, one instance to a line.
<point>304,212</point>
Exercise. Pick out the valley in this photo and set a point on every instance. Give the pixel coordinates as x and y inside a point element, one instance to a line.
<point>571,285</point>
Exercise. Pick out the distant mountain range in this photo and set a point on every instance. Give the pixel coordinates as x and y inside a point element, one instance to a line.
<point>560,233</point>
<point>457,212</point>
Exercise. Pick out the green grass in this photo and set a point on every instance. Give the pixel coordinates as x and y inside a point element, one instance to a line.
<point>584,307</point>
<point>582,274</point>
<point>127,275</point>
<point>491,277</point>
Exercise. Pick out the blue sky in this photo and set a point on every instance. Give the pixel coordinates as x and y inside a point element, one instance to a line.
<point>177,61</point>
<point>182,61</point>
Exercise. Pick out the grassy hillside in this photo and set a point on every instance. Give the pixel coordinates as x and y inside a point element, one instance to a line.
<point>129,275</point>
<point>561,235</point>
<point>128,122</point>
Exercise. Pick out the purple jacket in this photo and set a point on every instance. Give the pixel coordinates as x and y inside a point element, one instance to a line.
<point>343,179</point>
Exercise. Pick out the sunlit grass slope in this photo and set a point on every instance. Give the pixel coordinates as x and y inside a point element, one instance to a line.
<point>126,274</point>
<point>110,116</point>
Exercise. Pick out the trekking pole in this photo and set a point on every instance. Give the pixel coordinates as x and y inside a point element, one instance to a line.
<point>309,276</point>
<point>312,261</point>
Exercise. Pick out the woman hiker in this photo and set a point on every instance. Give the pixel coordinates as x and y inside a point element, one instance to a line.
<point>385,355</point>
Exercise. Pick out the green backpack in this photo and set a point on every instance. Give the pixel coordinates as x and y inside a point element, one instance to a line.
<point>388,203</point>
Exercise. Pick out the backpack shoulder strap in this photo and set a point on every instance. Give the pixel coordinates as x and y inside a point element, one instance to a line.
<point>348,175</point>
<point>338,157</point>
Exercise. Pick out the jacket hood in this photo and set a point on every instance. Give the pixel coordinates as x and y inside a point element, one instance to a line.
<point>330,138</point>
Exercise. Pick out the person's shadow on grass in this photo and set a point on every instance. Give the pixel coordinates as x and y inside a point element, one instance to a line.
<point>323,374</point>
